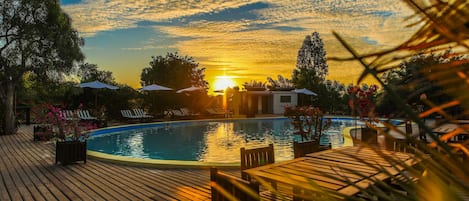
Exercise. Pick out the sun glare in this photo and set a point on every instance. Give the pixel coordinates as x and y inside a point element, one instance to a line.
<point>223,82</point>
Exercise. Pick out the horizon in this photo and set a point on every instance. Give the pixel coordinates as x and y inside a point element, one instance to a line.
<point>235,41</point>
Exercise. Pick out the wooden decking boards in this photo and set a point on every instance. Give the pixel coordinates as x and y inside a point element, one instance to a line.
<point>28,172</point>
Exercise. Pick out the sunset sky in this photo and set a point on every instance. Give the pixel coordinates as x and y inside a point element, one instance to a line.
<point>241,39</point>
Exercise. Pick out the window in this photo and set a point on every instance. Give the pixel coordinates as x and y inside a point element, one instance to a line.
<point>285,99</point>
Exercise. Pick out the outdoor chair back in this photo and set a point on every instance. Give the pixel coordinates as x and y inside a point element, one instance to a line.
<point>226,187</point>
<point>251,158</point>
<point>408,128</point>
<point>300,149</point>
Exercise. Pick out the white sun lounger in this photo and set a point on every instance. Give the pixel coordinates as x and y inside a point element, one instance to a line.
<point>85,115</point>
<point>128,114</point>
<point>139,112</point>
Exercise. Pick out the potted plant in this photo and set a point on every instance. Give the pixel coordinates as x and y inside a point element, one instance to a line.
<point>361,101</point>
<point>304,118</point>
<point>42,133</point>
<point>70,135</point>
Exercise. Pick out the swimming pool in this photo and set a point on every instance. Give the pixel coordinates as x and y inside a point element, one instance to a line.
<point>208,141</point>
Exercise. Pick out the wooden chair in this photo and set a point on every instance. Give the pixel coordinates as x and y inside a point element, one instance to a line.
<point>300,149</point>
<point>251,158</point>
<point>399,144</point>
<point>226,187</point>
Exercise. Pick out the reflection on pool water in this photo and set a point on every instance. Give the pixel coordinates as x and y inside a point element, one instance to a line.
<point>208,141</point>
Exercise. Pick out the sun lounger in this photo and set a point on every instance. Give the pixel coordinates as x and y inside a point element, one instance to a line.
<point>85,115</point>
<point>68,115</point>
<point>218,112</point>
<point>129,115</point>
<point>141,113</point>
<point>182,113</point>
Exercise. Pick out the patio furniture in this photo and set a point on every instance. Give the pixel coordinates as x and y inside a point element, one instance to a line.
<point>451,127</point>
<point>85,115</point>
<point>216,112</point>
<point>300,149</point>
<point>251,158</point>
<point>188,113</point>
<point>141,113</point>
<point>399,144</point>
<point>350,166</point>
<point>224,186</point>
<point>129,116</point>
<point>69,115</point>
<point>177,114</point>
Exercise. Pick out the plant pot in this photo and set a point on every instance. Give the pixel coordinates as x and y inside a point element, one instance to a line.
<point>42,133</point>
<point>70,152</point>
<point>369,136</point>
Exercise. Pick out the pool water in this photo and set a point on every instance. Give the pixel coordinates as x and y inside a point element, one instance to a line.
<point>209,141</point>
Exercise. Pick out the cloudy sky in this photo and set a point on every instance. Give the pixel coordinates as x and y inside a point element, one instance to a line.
<point>244,39</point>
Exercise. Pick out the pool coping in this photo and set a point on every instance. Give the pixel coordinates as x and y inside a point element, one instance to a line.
<point>126,160</point>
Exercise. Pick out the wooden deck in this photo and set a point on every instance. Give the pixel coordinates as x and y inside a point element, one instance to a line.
<point>28,172</point>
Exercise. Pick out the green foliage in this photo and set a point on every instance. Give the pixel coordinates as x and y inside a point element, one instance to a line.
<point>411,78</point>
<point>175,72</point>
<point>443,173</point>
<point>35,36</point>
<point>311,66</point>
<point>90,72</point>
<point>255,85</point>
<point>310,73</point>
<point>280,84</point>
<point>115,100</point>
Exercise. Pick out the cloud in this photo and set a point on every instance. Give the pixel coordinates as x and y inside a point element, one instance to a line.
<point>93,16</point>
<point>261,44</point>
<point>266,40</point>
<point>145,47</point>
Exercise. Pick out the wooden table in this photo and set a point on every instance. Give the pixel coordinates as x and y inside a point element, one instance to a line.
<point>340,172</point>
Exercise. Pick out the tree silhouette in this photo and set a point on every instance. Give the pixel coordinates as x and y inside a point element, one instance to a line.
<point>311,65</point>
<point>174,71</point>
<point>35,36</point>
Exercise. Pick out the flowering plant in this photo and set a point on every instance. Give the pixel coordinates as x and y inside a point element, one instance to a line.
<point>66,128</point>
<point>361,100</point>
<point>303,118</point>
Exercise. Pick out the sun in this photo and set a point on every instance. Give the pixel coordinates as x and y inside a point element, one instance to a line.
<point>222,82</point>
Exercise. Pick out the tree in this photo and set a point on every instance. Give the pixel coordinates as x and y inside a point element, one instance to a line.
<point>311,68</point>
<point>90,72</point>
<point>335,99</point>
<point>175,72</point>
<point>411,79</point>
<point>311,65</point>
<point>280,84</point>
<point>35,36</point>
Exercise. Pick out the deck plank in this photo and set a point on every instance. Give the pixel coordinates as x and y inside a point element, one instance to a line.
<point>12,181</point>
<point>28,172</point>
<point>38,154</point>
<point>25,175</point>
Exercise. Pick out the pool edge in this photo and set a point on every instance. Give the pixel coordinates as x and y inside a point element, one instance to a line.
<point>157,163</point>
<point>176,163</point>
